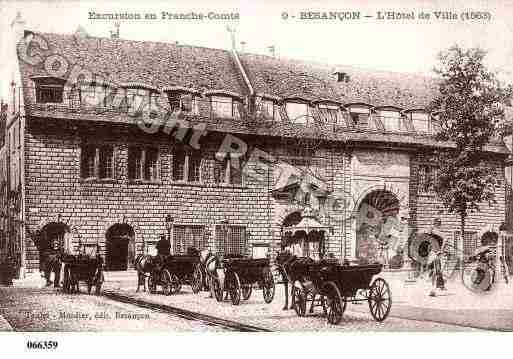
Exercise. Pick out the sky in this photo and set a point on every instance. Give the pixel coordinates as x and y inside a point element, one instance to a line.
<point>394,45</point>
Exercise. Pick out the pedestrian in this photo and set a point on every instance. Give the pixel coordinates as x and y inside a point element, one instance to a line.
<point>435,266</point>
<point>52,262</point>
<point>163,251</point>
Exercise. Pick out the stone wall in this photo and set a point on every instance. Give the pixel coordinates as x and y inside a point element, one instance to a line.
<point>55,191</point>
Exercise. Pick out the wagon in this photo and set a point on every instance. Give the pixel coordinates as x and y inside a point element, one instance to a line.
<point>331,286</point>
<point>84,268</point>
<point>176,271</point>
<point>241,275</point>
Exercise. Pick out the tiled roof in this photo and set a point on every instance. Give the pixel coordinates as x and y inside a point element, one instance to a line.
<point>160,65</point>
<point>154,64</point>
<point>295,78</point>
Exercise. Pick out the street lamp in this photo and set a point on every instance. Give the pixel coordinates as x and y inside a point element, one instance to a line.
<point>224,230</point>
<point>169,225</point>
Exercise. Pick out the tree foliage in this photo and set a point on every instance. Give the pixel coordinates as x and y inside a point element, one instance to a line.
<point>470,110</point>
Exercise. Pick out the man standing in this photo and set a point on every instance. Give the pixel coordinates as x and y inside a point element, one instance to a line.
<point>52,261</point>
<point>163,251</point>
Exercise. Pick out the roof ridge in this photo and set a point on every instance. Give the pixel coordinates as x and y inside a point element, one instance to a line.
<point>334,65</point>
<point>132,40</point>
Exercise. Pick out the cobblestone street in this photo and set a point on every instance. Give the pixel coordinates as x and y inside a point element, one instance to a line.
<point>42,309</point>
<point>49,310</point>
<point>456,309</point>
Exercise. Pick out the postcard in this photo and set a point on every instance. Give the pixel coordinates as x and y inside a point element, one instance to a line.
<point>320,169</point>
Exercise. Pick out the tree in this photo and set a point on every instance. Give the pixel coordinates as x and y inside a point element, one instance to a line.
<point>470,110</point>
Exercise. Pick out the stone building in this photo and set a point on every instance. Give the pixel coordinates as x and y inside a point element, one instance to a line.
<point>112,142</point>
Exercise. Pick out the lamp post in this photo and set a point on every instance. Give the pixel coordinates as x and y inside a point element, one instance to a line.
<point>169,225</point>
<point>224,228</point>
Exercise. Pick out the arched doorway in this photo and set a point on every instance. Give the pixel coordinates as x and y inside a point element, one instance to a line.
<point>120,247</point>
<point>50,239</point>
<point>377,227</point>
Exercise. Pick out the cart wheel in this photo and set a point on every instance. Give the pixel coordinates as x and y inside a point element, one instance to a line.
<point>246,291</point>
<point>299,299</point>
<point>175,284</point>
<point>334,303</point>
<point>380,299</point>
<point>166,282</point>
<point>197,279</point>
<point>268,287</point>
<point>216,288</point>
<point>234,289</point>
<point>152,284</point>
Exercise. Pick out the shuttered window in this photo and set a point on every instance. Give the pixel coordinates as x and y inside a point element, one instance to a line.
<point>188,236</point>
<point>427,177</point>
<point>230,240</point>
<point>97,161</point>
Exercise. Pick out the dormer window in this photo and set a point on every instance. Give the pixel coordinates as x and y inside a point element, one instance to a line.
<point>390,119</point>
<point>182,99</point>
<point>183,102</point>
<point>136,99</point>
<point>420,121</point>
<point>222,106</point>
<point>94,94</point>
<point>140,97</point>
<point>359,115</point>
<point>330,113</point>
<point>297,112</point>
<point>267,107</point>
<point>49,89</point>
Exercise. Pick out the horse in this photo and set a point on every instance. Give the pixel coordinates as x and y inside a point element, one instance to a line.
<point>213,269</point>
<point>285,262</point>
<point>144,265</point>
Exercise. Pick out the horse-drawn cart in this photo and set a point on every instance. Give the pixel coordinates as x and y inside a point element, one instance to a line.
<point>331,286</point>
<point>82,267</point>
<point>241,274</point>
<point>174,271</point>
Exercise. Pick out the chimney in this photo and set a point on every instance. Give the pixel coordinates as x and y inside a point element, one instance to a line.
<point>272,50</point>
<point>243,46</point>
<point>341,76</point>
<point>232,31</point>
<point>115,34</point>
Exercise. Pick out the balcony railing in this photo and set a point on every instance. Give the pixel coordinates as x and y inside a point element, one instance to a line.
<point>158,106</point>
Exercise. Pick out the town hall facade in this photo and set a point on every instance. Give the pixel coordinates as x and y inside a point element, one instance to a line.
<point>113,143</point>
